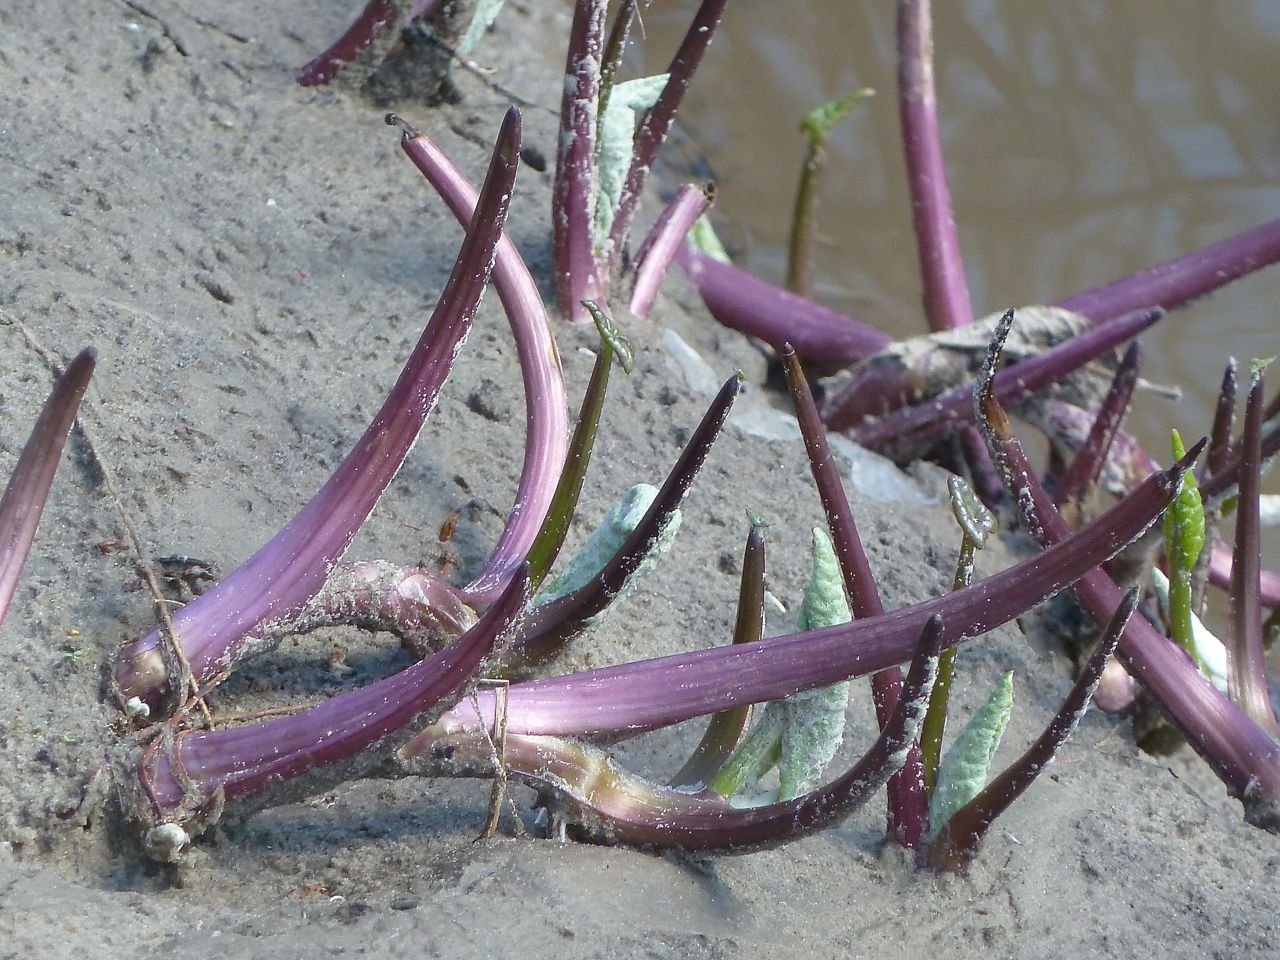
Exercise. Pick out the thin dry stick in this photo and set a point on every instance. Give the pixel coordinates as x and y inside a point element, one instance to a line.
<point>497,742</point>
<point>175,650</point>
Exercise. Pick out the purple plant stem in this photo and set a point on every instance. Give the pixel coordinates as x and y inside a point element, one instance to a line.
<point>942,414</point>
<point>1222,483</point>
<point>241,761</point>
<point>657,122</point>
<point>622,701</point>
<point>1240,753</point>
<point>611,805</point>
<point>378,19</point>
<point>28,488</point>
<point>1083,471</point>
<point>946,292</point>
<point>1224,416</point>
<point>660,246</point>
<point>574,190</point>
<point>1183,279</point>
<point>549,625</point>
<point>1246,659</point>
<point>418,606</point>
<point>615,49</point>
<point>546,404</point>
<point>1220,564</point>
<point>277,581</point>
<point>908,807</point>
<point>744,302</point>
<point>958,843</point>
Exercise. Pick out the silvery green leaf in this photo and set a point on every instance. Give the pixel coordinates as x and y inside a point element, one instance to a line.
<point>814,719</point>
<point>1208,652</point>
<point>617,139</point>
<point>618,524</point>
<point>963,771</point>
<point>485,13</point>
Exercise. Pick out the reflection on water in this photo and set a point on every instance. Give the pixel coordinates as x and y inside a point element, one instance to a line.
<point>1083,140</point>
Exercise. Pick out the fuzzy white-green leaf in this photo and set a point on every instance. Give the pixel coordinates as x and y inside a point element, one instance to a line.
<point>617,140</point>
<point>963,771</point>
<point>606,540</point>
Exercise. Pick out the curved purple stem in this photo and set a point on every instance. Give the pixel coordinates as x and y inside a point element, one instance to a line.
<point>664,240</point>
<point>622,701</point>
<point>956,846</point>
<point>379,20</point>
<point>908,805</point>
<point>1220,575</point>
<point>277,581</point>
<point>28,488</point>
<point>1085,468</point>
<point>546,404</point>
<point>241,761</point>
<point>743,302</point>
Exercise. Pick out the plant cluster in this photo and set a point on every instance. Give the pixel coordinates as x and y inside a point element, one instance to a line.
<point>436,717</point>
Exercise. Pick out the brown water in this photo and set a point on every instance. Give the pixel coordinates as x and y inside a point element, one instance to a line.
<point>1084,141</point>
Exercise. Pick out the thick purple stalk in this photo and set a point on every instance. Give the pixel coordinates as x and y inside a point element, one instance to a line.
<point>379,20</point>
<point>744,302</point>
<point>546,406</point>
<point>662,243</point>
<point>946,292</point>
<point>1183,279</point>
<point>610,805</point>
<point>908,806</point>
<point>28,488</point>
<point>1241,754</point>
<point>204,766</point>
<point>1220,564</point>
<point>958,843</point>
<point>942,414</point>
<point>274,584</point>
<point>620,701</point>
<point>1085,468</point>
<point>1224,416</point>
<point>1246,659</point>
<point>573,193</point>
<point>657,122</point>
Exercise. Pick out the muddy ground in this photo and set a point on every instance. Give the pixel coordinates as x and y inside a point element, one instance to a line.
<point>254,261</point>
